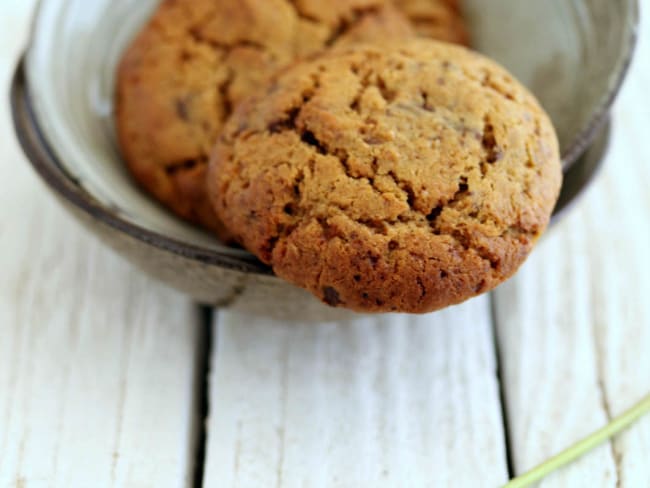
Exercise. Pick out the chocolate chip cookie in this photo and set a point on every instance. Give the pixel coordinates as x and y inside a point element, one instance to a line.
<point>403,179</point>
<point>196,59</point>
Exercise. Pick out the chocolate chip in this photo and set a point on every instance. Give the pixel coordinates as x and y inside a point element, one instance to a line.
<point>182,109</point>
<point>480,288</point>
<point>331,296</point>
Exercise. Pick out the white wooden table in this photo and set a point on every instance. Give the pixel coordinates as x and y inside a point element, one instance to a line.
<point>109,379</point>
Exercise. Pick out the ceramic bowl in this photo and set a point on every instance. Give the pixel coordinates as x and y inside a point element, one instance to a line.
<point>572,54</point>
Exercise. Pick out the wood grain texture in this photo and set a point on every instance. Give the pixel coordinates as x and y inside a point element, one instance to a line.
<point>374,401</point>
<point>574,325</point>
<point>97,363</point>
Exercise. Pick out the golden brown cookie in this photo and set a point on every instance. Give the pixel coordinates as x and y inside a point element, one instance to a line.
<point>438,19</point>
<point>403,179</point>
<point>194,61</point>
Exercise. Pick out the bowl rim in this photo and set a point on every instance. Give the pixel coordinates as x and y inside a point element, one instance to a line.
<point>601,111</point>
<point>46,163</point>
<point>584,137</point>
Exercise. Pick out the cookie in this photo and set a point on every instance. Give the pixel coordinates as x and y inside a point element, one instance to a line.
<point>401,179</point>
<point>437,19</point>
<point>196,59</point>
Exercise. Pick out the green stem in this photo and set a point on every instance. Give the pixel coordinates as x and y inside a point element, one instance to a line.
<point>576,451</point>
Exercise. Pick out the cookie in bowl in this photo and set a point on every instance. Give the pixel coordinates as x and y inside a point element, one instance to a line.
<point>438,19</point>
<point>402,179</point>
<point>196,59</point>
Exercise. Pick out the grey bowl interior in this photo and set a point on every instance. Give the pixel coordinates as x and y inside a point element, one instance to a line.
<point>573,54</point>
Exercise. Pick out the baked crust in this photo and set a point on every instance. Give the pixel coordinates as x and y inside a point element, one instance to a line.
<point>402,179</point>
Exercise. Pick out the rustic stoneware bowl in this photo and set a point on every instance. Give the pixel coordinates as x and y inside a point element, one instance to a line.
<point>572,54</point>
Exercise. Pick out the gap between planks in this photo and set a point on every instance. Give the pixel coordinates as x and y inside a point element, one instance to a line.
<point>206,344</point>
<point>97,363</point>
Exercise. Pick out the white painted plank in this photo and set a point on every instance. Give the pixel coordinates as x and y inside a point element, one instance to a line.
<point>574,326</point>
<point>548,359</point>
<point>372,401</point>
<point>97,363</point>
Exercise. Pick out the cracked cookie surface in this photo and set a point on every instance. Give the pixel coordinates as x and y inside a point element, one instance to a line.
<point>402,179</point>
<point>196,59</point>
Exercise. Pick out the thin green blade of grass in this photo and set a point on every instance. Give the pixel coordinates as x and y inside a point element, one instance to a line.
<point>576,451</point>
